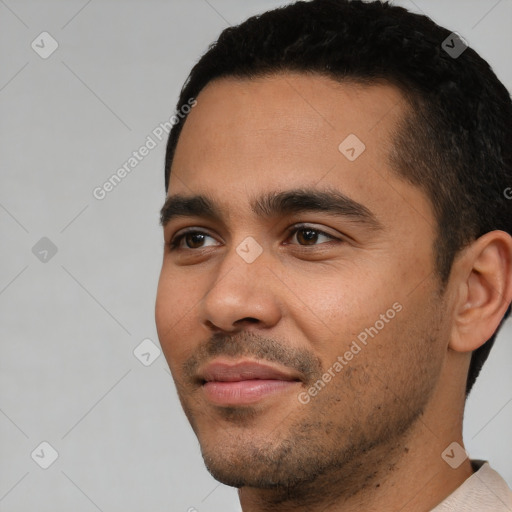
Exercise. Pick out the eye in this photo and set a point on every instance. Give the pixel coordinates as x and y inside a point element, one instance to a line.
<point>308,235</point>
<point>193,239</point>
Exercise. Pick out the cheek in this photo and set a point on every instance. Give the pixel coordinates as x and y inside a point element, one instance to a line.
<point>408,352</point>
<point>370,319</point>
<point>383,366</point>
<point>173,307</point>
<point>166,312</point>
<point>176,297</point>
<point>333,306</point>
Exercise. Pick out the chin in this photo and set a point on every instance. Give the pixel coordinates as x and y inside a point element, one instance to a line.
<point>250,457</point>
<point>244,471</point>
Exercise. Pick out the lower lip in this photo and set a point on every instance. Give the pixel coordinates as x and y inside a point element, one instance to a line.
<point>244,391</point>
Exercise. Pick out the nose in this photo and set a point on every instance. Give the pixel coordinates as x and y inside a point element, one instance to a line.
<point>244,293</point>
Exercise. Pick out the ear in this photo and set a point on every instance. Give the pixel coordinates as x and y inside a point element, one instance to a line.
<point>482,277</point>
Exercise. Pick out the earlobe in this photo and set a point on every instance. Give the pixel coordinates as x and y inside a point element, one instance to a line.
<point>483,277</point>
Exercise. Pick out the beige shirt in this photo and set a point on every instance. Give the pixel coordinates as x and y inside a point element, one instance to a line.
<point>484,491</point>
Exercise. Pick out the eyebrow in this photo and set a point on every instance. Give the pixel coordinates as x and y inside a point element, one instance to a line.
<point>273,205</point>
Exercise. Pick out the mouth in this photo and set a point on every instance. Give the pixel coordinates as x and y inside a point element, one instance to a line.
<point>230,383</point>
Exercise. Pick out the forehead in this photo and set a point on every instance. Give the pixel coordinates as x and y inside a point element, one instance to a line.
<point>305,113</point>
<point>249,136</point>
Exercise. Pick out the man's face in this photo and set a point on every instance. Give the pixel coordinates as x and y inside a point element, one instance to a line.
<point>297,353</point>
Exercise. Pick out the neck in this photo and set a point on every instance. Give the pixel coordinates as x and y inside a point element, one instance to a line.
<point>415,480</point>
<point>407,474</point>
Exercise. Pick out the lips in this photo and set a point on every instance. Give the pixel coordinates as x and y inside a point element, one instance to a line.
<point>245,370</point>
<point>244,382</point>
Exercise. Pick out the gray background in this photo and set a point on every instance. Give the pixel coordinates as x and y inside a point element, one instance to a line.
<point>69,324</point>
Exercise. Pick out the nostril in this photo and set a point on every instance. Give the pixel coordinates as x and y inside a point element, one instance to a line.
<point>247,319</point>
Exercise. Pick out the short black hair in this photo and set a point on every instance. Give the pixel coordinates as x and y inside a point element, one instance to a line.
<point>455,141</point>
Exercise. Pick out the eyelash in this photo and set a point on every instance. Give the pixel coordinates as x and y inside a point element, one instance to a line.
<point>175,242</point>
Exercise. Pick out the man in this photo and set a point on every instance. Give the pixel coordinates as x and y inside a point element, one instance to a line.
<point>338,258</point>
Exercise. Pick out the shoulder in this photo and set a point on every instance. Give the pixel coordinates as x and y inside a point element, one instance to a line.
<point>484,491</point>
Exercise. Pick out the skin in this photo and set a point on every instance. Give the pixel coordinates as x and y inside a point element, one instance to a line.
<point>372,438</point>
